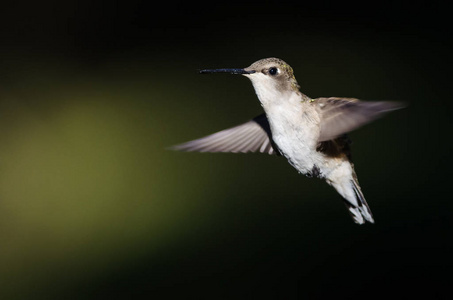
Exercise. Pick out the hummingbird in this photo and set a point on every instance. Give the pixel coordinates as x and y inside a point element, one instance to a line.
<point>309,132</point>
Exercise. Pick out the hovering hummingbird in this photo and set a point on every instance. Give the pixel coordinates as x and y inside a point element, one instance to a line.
<point>310,133</point>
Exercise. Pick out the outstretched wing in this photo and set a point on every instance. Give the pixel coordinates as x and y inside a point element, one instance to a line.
<point>341,115</point>
<point>252,136</point>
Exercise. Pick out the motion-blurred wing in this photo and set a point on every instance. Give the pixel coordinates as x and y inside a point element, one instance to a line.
<point>252,136</point>
<point>341,115</point>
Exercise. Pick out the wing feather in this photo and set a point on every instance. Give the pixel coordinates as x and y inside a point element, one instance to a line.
<point>252,136</point>
<point>341,115</point>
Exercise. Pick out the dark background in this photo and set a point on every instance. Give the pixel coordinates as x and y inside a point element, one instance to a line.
<point>92,206</point>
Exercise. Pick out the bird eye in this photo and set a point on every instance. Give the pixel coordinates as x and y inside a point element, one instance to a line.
<point>273,71</point>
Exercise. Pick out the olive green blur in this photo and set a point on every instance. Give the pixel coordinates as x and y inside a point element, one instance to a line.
<point>93,206</point>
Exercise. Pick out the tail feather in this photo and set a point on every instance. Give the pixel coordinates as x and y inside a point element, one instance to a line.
<point>353,198</point>
<point>358,209</point>
<point>354,212</point>
<point>363,205</point>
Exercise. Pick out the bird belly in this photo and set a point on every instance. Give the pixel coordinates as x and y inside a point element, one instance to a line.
<point>302,157</point>
<point>295,130</point>
<point>298,145</point>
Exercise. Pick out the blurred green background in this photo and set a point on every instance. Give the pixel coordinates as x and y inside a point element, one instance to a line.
<point>93,206</point>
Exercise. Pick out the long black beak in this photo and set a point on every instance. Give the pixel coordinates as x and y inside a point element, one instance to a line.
<point>231,71</point>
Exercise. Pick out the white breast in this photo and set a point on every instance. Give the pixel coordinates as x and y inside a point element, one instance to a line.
<point>294,124</point>
<point>295,130</point>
